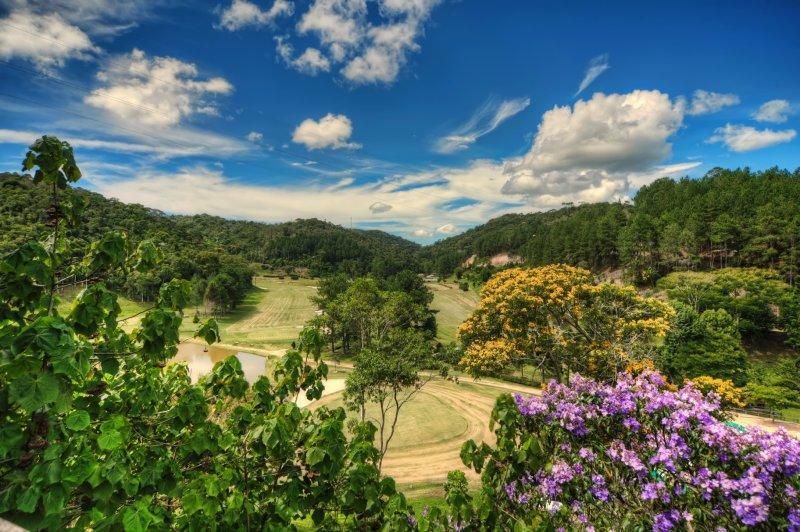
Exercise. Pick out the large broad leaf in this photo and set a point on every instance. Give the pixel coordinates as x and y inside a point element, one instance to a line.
<point>78,420</point>
<point>110,440</point>
<point>33,392</point>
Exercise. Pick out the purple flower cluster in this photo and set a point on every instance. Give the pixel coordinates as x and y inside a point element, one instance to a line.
<point>642,451</point>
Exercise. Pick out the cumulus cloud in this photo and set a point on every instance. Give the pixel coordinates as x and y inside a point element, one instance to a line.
<point>422,233</point>
<point>597,66</point>
<point>255,136</point>
<point>446,229</point>
<point>157,91</point>
<point>368,49</point>
<point>741,138</point>
<point>485,120</point>
<point>331,131</point>
<point>310,62</point>
<point>705,102</point>
<point>46,40</point>
<point>380,207</point>
<point>589,152</point>
<point>242,13</point>
<point>775,111</point>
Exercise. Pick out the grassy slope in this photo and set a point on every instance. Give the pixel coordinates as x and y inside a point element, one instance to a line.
<point>270,317</point>
<point>453,306</point>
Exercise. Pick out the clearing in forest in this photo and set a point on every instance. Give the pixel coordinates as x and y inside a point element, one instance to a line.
<point>453,305</point>
<point>271,316</point>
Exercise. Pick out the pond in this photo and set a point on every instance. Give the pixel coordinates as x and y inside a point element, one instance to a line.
<point>201,360</point>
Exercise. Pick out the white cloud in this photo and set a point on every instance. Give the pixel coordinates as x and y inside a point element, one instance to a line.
<point>310,62</point>
<point>242,13</point>
<point>592,151</point>
<point>775,111</point>
<point>741,138</point>
<point>255,136</point>
<point>705,102</point>
<point>95,17</point>
<point>422,233</point>
<point>446,229</point>
<point>485,120</point>
<point>331,131</point>
<point>638,180</point>
<point>370,50</point>
<point>158,91</point>
<point>380,207</point>
<point>46,40</point>
<point>597,66</point>
<point>192,143</point>
<point>339,24</point>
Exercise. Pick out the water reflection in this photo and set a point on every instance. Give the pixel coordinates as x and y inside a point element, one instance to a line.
<point>201,361</point>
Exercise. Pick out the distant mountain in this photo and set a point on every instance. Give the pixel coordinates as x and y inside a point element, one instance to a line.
<point>309,243</point>
<point>584,235</point>
<point>726,218</point>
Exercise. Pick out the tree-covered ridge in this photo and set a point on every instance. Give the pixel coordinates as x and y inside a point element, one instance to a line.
<point>320,246</point>
<point>726,218</point>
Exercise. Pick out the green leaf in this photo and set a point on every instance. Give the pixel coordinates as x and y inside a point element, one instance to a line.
<point>209,331</point>
<point>80,470</point>
<point>314,456</point>
<point>136,518</point>
<point>78,420</point>
<point>33,392</point>
<point>28,500</point>
<point>110,440</point>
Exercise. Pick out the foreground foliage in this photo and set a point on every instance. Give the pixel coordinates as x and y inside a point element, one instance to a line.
<point>97,431</point>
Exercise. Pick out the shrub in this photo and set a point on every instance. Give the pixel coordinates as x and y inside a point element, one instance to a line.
<point>729,395</point>
<point>463,285</point>
<point>632,455</point>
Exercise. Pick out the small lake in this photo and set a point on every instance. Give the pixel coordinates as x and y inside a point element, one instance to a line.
<point>201,360</point>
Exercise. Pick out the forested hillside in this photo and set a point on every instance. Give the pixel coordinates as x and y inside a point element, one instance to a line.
<point>727,218</point>
<point>320,246</point>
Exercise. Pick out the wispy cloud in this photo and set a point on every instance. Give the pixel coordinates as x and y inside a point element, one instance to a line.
<point>775,111</point>
<point>482,122</point>
<point>741,138</point>
<point>706,102</point>
<point>597,66</point>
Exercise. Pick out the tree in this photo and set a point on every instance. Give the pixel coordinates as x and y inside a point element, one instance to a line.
<point>388,375</point>
<point>703,344</point>
<point>557,319</point>
<point>638,248</point>
<point>758,299</point>
<point>98,432</point>
<point>363,314</point>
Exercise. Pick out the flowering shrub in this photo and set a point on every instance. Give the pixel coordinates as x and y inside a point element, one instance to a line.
<point>729,395</point>
<point>630,455</point>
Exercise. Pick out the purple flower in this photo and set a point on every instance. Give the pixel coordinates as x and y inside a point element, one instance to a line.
<point>751,511</point>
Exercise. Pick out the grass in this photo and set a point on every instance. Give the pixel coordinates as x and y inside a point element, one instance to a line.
<point>270,317</point>
<point>453,306</point>
<point>791,414</point>
<point>423,421</point>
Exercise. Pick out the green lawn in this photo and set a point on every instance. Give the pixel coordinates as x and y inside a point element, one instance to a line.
<point>453,306</point>
<point>270,317</point>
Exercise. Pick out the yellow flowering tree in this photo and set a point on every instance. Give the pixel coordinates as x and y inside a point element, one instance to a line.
<point>558,319</point>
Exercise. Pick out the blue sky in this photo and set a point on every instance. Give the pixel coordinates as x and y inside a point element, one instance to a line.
<point>420,117</point>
